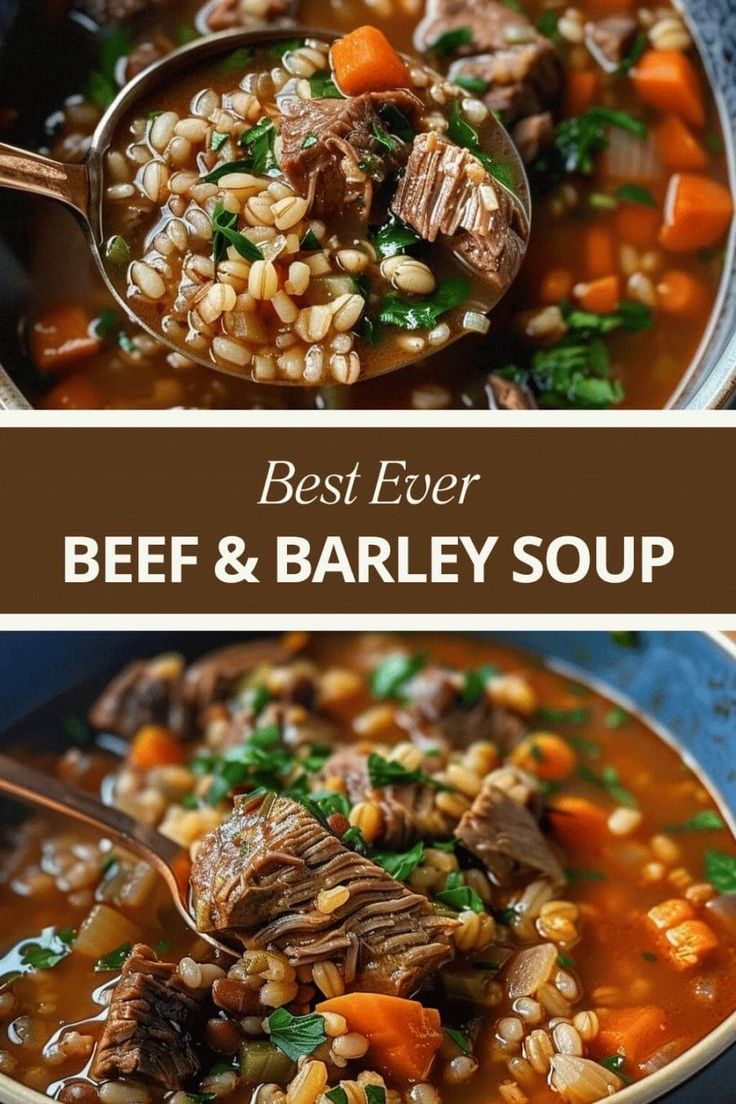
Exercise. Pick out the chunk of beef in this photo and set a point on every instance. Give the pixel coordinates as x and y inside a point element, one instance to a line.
<point>221,15</point>
<point>143,693</point>
<point>114,11</point>
<point>299,728</point>
<point>532,134</point>
<point>259,876</point>
<point>328,172</point>
<point>520,65</point>
<point>446,191</point>
<point>151,1023</point>
<point>609,40</point>
<point>214,677</point>
<point>504,835</point>
<point>408,812</point>
<point>504,394</point>
<point>437,708</point>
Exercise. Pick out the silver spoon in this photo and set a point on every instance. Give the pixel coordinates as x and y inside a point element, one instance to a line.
<point>80,186</point>
<point>44,790</point>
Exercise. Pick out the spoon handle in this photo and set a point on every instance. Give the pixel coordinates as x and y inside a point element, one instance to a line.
<point>30,172</point>
<point>37,788</point>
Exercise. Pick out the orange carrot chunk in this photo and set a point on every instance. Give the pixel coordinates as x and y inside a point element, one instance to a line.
<point>403,1035</point>
<point>697,213</point>
<point>599,252</point>
<point>677,145</point>
<point>667,79</point>
<point>581,86</point>
<point>633,1032</point>
<point>76,392</point>
<point>637,225</point>
<point>154,746</point>
<point>667,914</point>
<point>62,337</point>
<point>602,296</point>
<point>690,943</point>
<point>577,822</point>
<point>556,285</point>
<point>680,293</point>
<point>546,755</point>
<point>365,61</point>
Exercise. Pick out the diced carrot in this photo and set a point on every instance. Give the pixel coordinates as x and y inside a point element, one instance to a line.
<point>581,87</point>
<point>599,252</point>
<point>667,79</point>
<point>76,392</point>
<point>155,746</point>
<point>677,145</point>
<point>636,1033</point>
<point>556,285</point>
<point>637,225</point>
<point>545,755</point>
<point>680,293</point>
<point>62,337</point>
<point>576,821</point>
<point>365,61</point>
<point>403,1035</point>
<point>697,213</point>
<point>668,914</point>
<point>182,867</point>
<point>602,296</point>
<point>690,943</point>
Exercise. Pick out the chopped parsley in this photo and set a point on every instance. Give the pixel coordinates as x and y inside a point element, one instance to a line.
<point>296,1036</point>
<point>565,961</point>
<point>458,896</point>
<point>390,677</point>
<point>280,49</point>
<point>424,314</point>
<point>635,193</point>
<point>218,140</point>
<point>383,138</point>
<point>355,840</point>
<point>609,780</point>
<point>106,325</point>
<point>238,60</point>
<point>114,959</point>
<point>337,1095</point>
<point>224,225</point>
<point>117,250</point>
<point>223,170</point>
<point>323,86</point>
<point>638,47</point>
<point>260,762</point>
<point>387,772</point>
<point>400,864</point>
<point>585,747</point>
<point>547,25</point>
<point>395,237</point>
<point>581,138</point>
<point>476,85</point>
<point>563,716</point>
<point>617,717</point>
<point>450,41</point>
<point>625,639</point>
<point>615,1063</point>
<point>374,1094</point>
<point>310,243</point>
<point>258,143</point>
<point>705,821</point>
<point>720,870</point>
<point>54,945</point>
<point>397,122</point>
<point>310,141</point>
<point>461,1041</point>
<point>461,132</point>
<point>102,84</point>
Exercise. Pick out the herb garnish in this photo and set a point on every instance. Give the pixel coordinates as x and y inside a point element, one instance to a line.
<point>374,1094</point>
<point>617,717</point>
<point>476,85</point>
<point>310,243</point>
<point>387,772</point>
<point>323,86</point>
<point>704,821</point>
<point>310,141</point>
<point>608,780</point>
<point>459,1040</point>
<point>54,946</point>
<point>625,639</point>
<point>296,1036</point>
<point>424,314</point>
<point>259,142</point>
<point>355,840</point>
<point>337,1095</point>
<point>615,1064</point>
<point>117,250</point>
<point>461,132</point>
<point>280,49</point>
<point>218,140</point>
<point>400,864</point>
<point>563,716</point>
<point>223,170</point>
<point>395,237</point>
<point>450,41</point>
<point>458,896</point>
<point>635,193</point>
<point>102,84</point>
<point>114,959</point>
<point>397,122</point>
<point>390,677</point>
<point>383,138</point>
<point>581,138</point>
<point>237,60</point>
<point>720,870</point>
<point>638,47</point>
<point>224,226</point>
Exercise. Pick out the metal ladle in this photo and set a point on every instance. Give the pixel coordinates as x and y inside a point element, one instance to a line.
<point>80,187</point>
<point>44,790</point>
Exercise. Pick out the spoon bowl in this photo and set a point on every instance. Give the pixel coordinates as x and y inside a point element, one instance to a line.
<point>81,187</point>
<point>45,791</point>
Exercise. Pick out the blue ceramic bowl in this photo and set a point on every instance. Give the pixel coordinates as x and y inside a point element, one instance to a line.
<point>684,684</point>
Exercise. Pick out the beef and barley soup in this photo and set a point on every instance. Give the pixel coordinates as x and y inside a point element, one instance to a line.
<point>303,213</point>
<point>449,874</point>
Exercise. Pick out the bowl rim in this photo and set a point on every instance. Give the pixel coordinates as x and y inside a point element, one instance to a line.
<point>695,1058</point>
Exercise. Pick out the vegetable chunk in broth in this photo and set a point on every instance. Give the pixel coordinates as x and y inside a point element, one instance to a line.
<point>609,107</point>
<point>448,875</point>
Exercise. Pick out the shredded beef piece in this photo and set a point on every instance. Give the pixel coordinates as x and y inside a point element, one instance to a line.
<point>114,11</point>
<point>258,878</point>
<point>224,14</point>
<point>532,134</point>
<point>345,133</point>
<point>506,50</point>
<point>503,394</point>
<point>504,835</point>
<point>446,191</point>
<point>609,40</point>
<point>143,693</point>
<point>150,1025</point>
<point>213,678</point>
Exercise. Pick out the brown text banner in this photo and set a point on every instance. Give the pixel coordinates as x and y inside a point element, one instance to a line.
<point>345,520</point>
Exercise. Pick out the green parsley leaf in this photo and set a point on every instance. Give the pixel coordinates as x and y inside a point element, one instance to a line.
<point>474,684</point>
<point>585,747</point>
<point>310,141</point>
<point>635,193</point>
<point>461,1041</point>
<point>113,960</point>
<point>424,314</point>
<point>547,25</point>
<point>476,85</point>
<point>704,821</point>
<point>580,139</point>
<point>200,1098</point>
<point>608,780</point>
<point>445,845</point>
<point>615,1063</point>
<point>218,140</point>
<point>400,864</point>
<point>337,1095</point>
<point>117,250</point>
<point>296,1036</point>
<point>575,374</point>
<point>238,60</point>
<point>387,772</point>
<point>720,870</point>
<point>224,226</point>
<point>280,49</point>
<point>565,961</point>
<point>563,716</point>
<point>323,86</point>
<point>54,946</point>
<point>462,133</point>
<point>395,237</point>
<point>105,325</point>
<point>383,138</point>
<point>259,143</point>
<point>630,315</point>
<point>451,41</point>
<point>162,946</point>
<point>638,47</point>
<point>189,801</point>
<point>397,122</point>
<point>390,677</point>
<point>223,170</point>
<point>458,896</point>
<point>374,1094</point>
<point>355,840</point>
<point>102,84</point>
<point>714,142</point>
<point>617,717</point>
<point>310,243</point>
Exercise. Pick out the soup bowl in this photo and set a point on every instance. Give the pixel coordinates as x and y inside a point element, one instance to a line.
<point>683,684</point>
<point>709,382</point>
